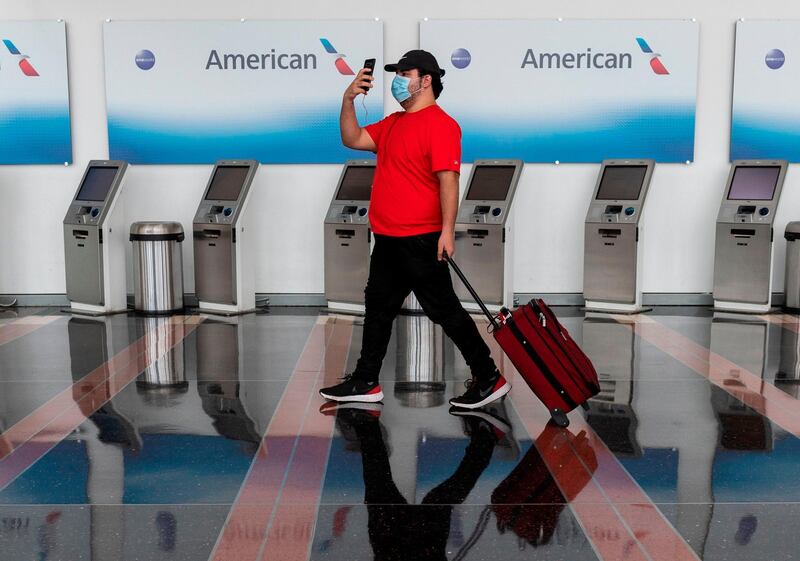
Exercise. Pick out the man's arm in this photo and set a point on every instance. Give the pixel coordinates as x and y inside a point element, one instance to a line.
<point>353,136</point>
<point>448,191</point>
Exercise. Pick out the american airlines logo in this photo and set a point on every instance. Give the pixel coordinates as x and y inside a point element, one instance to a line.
<point>591,59</point>
<point>339,61</point>
<point>22,60</point>
<point>655,62</point>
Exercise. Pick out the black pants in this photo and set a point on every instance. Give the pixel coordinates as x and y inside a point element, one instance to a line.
<point>397,267</point>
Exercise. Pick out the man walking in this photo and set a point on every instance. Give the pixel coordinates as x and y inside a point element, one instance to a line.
<point>412,214</point>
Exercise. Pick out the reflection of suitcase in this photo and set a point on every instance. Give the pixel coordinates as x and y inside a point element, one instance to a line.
<point>544,354</point>
<point>528,502</point>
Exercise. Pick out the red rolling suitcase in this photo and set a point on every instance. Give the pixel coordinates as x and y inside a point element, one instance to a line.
<point>544,354</point>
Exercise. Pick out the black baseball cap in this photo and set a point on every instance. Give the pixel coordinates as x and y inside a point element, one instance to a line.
<point>422,60</point>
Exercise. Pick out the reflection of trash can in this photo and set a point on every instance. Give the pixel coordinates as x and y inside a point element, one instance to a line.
<point>791,286</point>
<point>164,373</point>
<point>157,267</point>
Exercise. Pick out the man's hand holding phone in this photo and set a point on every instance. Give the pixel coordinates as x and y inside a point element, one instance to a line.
<point>363,82</point>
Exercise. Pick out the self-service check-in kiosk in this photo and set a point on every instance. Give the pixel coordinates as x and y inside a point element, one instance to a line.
<point>348,238</point>
<point>613,237</point>
<point>484,233</point>
<point>223,243</point>
<point>743,251</point>
<point>94,241</point>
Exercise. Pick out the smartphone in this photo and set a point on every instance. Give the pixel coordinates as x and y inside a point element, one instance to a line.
<point>369,64</point>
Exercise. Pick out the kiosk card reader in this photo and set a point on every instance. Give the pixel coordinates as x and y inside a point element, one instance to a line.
<point>348,238</point>
<point>484,233</point>
<point>743,251</point>
<point>95,239</point>
<point>613,236</point>
<point>223,243</point>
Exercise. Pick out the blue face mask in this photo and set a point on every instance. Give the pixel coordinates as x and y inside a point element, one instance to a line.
<point>400,88</point>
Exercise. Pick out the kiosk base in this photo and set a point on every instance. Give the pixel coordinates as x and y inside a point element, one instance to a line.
<point>344,308</point>
<point>744,307</point>
<point>473,308</point>
<point>223,309</point>
<point>91,310</point>
<point>615,308</point>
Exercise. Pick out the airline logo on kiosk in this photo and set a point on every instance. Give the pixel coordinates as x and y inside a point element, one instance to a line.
<point>22,60</point>
<point>655,62</point>
<point>340,64</point>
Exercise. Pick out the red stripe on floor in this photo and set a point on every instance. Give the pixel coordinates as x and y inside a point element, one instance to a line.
<point>13,330</point>
<point>617,517</point>
<point>38,419</point>
<point>88,399</point>
<point>747,387</point>
<point>292,531</point>
<point>245,531</point>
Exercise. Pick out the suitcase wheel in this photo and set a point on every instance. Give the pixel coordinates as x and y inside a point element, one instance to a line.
<point>560,418</point>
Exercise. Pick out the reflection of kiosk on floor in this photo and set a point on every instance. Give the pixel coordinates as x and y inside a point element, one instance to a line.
<point>94,241</point>
<point>484,233</point>
<point>223,245</point>
<point>743,252</point>
<point>743,341</point>
<point>788,376</point>
<point>91,344</point>
<point>219,353</point>
<point>612,264</point>
<point>348,238</point>
<point>612,349</point>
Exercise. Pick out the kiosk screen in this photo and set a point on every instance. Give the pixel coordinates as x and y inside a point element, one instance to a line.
<point>754,183</point>
<point>490,183</point>
<point>621,183</point>
<point>356,184</point>
<point>97,183</point>
<point>227,183</point>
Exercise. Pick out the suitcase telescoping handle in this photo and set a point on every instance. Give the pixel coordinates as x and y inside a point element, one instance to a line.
<point>471,290</point>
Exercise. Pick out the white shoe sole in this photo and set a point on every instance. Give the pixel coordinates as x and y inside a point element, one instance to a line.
<point>371,398</point>
<point>504,389</point>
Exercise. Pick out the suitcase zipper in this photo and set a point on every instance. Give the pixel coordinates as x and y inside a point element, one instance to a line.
<point>546,372</point>
<point>575,367</point>
<point>583,359</point>
<point>590,383</point>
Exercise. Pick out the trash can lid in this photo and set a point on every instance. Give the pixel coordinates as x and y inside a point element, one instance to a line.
<point>156,231</point>
<point>792,231</point>
<point>156,228</point>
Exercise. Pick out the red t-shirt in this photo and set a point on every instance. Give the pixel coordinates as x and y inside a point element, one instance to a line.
<point>412,147</point>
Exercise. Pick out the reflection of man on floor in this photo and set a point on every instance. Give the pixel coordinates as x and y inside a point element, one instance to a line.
<point>397,530</point>
<point>528,502</point>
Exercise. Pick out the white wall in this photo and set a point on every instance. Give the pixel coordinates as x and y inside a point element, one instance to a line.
<point>679,254</point>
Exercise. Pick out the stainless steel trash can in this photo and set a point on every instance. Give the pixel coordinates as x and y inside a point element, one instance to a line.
<point>157,267</point>
<point>791,287</point>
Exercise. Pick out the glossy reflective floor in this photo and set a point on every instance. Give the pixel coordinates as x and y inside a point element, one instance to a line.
<point>202,438</point>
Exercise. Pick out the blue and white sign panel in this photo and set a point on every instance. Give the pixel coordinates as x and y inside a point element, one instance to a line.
<point>766,114</point>
<point>196,92</point>
<point>570,91</point>
<point>34,93</point>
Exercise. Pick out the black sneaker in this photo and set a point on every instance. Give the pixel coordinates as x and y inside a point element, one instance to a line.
<point>353,388</point>
<point>482,392</point>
